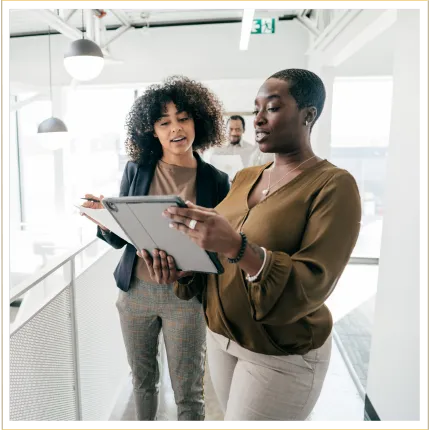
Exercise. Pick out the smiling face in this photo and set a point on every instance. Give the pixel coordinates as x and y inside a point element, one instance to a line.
<point>175,130</point>
<point>235,131</point>
<point>280,126</point>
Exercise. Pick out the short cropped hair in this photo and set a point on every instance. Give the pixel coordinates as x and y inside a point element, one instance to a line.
<point>306,88</point>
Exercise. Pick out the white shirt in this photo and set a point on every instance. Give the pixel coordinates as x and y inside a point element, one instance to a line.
<point>243,148</point>
<point>259,158</point>
<point>250,154</point>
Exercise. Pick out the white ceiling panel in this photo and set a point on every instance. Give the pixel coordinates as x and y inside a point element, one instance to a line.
<point>27,22</point>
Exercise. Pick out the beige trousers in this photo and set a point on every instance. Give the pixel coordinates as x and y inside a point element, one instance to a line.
<point>258,387</point>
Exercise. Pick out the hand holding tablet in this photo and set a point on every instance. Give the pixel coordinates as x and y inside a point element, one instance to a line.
<point>162,267</point>
<point>139,221</point>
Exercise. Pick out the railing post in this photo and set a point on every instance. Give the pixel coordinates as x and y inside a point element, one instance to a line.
<point>75,341</point>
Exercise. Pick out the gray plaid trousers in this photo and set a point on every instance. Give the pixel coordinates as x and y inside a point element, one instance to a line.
<point>144,310</point>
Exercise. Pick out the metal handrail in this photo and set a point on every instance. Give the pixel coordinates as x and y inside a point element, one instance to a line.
<point>348,364</point>
<point>367,261</point>
<point>56,263</point>
<point>51,267</point>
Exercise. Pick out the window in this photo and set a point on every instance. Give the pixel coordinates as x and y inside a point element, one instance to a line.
<point>360,134</point>
<point>37,165</point>
<point>96,155</point>
<point>32,198</point>
<point>90,159</point>
<point>14,175</point>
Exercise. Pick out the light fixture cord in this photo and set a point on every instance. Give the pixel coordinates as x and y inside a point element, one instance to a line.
<point>50,71</point>
<point>83,34</point>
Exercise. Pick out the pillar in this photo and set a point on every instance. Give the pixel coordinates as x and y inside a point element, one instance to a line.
<point>395,386</point>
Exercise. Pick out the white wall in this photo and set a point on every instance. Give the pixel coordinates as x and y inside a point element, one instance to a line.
<point>374,58</point>
<point>206,52</point>
<point>394,368</point>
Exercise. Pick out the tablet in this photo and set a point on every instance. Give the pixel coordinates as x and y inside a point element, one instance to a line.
<point>142,221</point>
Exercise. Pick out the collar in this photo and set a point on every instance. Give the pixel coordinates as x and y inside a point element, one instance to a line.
<point>240,144</point>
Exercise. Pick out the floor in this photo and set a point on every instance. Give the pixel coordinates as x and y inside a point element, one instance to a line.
<point>339,400</point>
<point>355,333</point>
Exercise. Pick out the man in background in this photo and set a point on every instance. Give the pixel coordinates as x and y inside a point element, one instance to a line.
<point>236,145</point>
<point>250,155</point>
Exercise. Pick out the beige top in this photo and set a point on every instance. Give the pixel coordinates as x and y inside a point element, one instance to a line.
<point>169,180</point>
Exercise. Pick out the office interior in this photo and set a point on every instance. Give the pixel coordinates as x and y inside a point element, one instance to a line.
<point>64,330</point>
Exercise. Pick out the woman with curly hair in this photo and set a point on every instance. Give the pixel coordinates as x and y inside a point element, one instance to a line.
<point>165,128</point>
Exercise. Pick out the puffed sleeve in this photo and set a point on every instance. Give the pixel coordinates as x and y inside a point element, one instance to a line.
<point>293,286</point>
<point>189,287</point>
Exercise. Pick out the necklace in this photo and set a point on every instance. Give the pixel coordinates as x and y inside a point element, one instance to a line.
<point>266,191</point>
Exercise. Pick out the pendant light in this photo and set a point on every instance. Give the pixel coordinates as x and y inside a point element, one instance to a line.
<point>84,60</point>
<point>51,125</point>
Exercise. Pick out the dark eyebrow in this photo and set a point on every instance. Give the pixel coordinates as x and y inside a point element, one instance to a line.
<point>271,97</point>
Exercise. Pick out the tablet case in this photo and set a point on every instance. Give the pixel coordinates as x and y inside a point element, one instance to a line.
<point>141,220</point>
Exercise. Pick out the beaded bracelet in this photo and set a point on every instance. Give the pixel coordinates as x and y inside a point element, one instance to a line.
<point>241,250</point>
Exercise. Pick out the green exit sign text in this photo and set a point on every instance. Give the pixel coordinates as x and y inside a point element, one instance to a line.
<point>263,26</point>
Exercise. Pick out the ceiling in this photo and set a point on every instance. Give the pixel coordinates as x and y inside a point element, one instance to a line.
<point>28,23</point>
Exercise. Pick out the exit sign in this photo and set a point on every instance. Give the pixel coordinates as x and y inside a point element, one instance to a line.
<point>263,26</point>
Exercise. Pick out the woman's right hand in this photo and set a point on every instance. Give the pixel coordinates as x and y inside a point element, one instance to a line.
<point>94,205</point>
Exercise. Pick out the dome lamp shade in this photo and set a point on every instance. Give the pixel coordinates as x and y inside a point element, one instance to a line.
<point>52,125</point>
<point>84,60</point>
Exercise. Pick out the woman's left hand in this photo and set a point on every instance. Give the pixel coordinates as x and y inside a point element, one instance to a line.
<point>211,231</point>
<point>162,267</point>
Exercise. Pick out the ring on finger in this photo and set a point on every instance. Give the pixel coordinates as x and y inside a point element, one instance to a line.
<point>192,224</point>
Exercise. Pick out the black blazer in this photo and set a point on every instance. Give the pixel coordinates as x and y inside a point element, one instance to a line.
<point>211,188</point>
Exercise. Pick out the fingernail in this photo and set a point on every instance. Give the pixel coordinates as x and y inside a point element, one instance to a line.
<point>171,210</point>
<point>187,202</point>
<point>155,252</point>
<point>164,215</point>
<point>171,225</point>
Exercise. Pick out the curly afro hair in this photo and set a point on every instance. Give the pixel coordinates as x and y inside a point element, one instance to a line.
<point>188,96</point>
